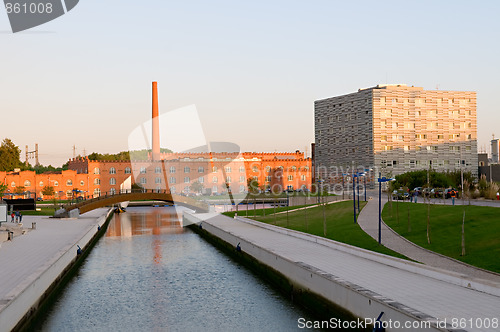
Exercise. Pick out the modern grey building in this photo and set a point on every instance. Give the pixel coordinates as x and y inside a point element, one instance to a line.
<point>394,129</point>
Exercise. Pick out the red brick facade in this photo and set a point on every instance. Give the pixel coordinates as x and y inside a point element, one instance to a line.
<point>176,171</point>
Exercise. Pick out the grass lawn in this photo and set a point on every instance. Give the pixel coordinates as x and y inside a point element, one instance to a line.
<point>339,224</point>
<point>45,211</point>
<point>482,230</point>
<point>250,197</point>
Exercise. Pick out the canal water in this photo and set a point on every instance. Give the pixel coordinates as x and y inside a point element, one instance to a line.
<point>150,274</point>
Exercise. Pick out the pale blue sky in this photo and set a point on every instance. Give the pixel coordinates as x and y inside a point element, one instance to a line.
<point>253,69</point>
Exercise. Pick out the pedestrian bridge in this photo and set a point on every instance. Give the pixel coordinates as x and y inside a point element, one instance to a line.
<point>92,203</point>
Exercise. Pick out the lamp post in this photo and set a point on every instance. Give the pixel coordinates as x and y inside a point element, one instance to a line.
<point>353,197</point>
<point>364,177</point>
<point>342,186</point>
<point>357,185</point>
<point>380,180</point>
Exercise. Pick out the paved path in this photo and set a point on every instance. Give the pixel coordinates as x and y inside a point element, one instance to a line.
<point>419,292</point>
<point>368,220</point>
<point>27,256</point>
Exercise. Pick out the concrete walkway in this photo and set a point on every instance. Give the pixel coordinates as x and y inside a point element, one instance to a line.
<point>424,291</point>
<point>368,220</point>
<point>28,256</point>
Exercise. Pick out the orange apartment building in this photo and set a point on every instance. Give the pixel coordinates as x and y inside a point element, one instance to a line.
<point>175,171</point>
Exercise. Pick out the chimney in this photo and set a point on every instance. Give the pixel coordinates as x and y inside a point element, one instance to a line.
<point>156,126</point>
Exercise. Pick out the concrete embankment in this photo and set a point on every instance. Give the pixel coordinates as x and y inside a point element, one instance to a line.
<point>34,264</point>
<point>328,275</point>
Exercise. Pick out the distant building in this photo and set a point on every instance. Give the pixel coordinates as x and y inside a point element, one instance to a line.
<point>488,169</point>
<point>175,171</point>
<point>178,172</point>
<point>395,129</point>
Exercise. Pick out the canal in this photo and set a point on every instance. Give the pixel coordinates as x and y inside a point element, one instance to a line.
<point>150,274</point>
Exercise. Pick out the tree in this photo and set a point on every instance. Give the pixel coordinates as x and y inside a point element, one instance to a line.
<point>19,190</point>
<point>3,188</point>
<point>48,191</point>
<point>253,186</point>
<point>197,186</point>
<point>9,156</point>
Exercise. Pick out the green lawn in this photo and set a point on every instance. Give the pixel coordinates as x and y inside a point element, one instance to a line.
<point>45,211</point>
<point>482,230</point>
<point>339,224</point>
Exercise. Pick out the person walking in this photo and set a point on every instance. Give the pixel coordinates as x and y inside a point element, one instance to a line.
<point>12,217</point>
<point>17,216</point>
<point>453,194</point>
<point>20,217</point>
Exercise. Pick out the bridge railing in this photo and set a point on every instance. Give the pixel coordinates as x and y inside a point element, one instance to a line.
<point>95,197</point>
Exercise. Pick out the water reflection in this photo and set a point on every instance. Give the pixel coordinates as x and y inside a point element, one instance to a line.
<point>154,221</point>
<point>150,274</point>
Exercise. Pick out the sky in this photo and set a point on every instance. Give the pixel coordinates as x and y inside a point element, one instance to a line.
<point>252,69</point>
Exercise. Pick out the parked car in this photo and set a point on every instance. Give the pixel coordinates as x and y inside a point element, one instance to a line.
<point>448,192</point>
<point>437,192</point>
<point>418,190</point>
<point>400,194</point>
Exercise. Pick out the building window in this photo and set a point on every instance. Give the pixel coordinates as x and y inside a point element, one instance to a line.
<point>255,169</point>
<point>112,170</point>
<point>242,189</point>
<point>214,169</point>
<point>97,170</point>
<point>127,170</point>
<point>187,169</point>
<point>214,189</point>
<point>172,179</point>
<point>112,181</point>
<point>157,180</point>
<point>157,170</point>
<point>268,169</point>
<point>172,190</point>
<point>143,180</point>
<point>172,169</point>
<point>242,169</point>
<point>201,180</point>
<point>228,169</point>
<point>41,184</point>
<point>201,169</point>
<point>69,183</point>
<point>112,191</point>
<point>268,178</point>
<point>228,179</point>
<point>97,182</point>
<point>290,177</point>
<point>82,183</point>
<point>242,178</point>
<point>57,183</point>
<point>214,179</point>
<point>97,192</point>
<point>303,177</point>
<point>143,170</point>
<point>186,179</point>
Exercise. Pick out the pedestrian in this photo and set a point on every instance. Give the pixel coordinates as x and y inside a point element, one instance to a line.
<point>453,194</point>
<point>20,217</point>
<point>12,217</point>
<point>416,196</point>
<point>17,216</point>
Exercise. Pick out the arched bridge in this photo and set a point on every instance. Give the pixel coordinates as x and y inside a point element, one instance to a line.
<point>93,203</point>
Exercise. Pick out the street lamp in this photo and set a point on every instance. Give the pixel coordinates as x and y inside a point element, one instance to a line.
<point>353,196</point>
<point>380,180</point>
<point>356,175</point>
